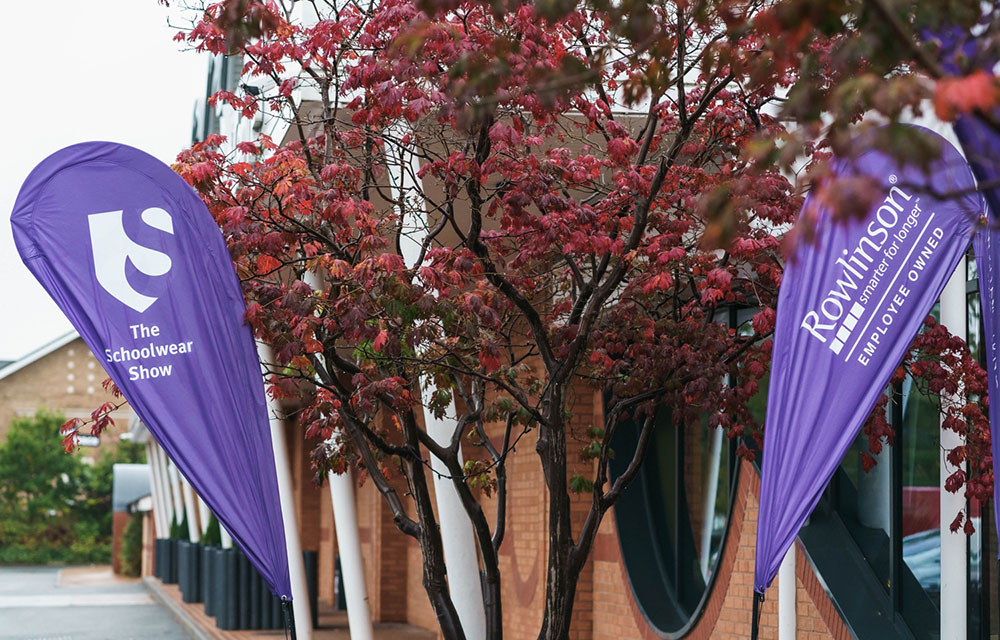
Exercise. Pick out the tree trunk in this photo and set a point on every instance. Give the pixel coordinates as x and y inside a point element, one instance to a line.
<point>432,552</point>
<point>432,549</point>
<point>561,576</point>
<point>492,604</point>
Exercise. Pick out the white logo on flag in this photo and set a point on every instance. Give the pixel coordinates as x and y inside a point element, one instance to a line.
<point>113,248</point>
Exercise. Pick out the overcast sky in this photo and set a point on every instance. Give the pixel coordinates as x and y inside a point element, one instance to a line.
<point>81,71</point>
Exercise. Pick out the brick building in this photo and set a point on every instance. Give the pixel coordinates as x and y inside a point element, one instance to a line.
<point>841,569</point>
<point>630,589</point>
<point>63,376</point>
<point>676,558</point>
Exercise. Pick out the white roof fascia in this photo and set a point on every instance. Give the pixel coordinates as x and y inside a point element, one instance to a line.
<point>38,353</point>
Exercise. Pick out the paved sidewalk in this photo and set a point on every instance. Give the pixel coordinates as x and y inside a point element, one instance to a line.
<point>332,624</point>
<point>79,603</point>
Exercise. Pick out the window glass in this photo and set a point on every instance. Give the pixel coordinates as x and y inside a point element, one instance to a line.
<point>862,500</point>
<point>672,520</point>
<point>980,604</point>
<point>974,327</point>
<point>921,490</point>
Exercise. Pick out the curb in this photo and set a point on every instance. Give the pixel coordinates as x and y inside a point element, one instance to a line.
<point>192,628</point>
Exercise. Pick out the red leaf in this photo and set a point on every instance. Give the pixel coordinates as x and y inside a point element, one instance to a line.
<point>955,96</point>
<point>957,522</point>
<point>970,528</point>
<point>266,263</point>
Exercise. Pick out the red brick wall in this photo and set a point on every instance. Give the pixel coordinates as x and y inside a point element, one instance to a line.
<point>307,494</point>
<point>728,610</point>
<point>418,607</point>
<point>148,545</point>
<point>522,554</point>
<point>384,551</point>
<point>118,521</point>
<point>67,381</point>
<point>605,608</point>
<point>367,498</point>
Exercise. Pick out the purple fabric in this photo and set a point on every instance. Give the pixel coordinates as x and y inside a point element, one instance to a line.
<point>982,149</point>
<point>132,256</point>
<point>980,144</point>
<point>849,306</point>
<point>987,247</point>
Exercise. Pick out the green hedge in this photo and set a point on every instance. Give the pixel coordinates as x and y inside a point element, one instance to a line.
<point>76,553</point>
<point>130,552</point>
<point>54,508</point>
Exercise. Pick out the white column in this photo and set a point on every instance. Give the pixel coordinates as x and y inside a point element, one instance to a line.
<point>166,497</point>
<point>954,564</point>
<point>787,622</point>
<point>191,509</point>
<point>461,554</point>
<point>155,489</point>
<point>345,521</point>
<point>457,535</point>
<point>282,467</point>
<point>175,489</point>
<point>168,494</point>
<point>225,538</point>
<point>204,515</point>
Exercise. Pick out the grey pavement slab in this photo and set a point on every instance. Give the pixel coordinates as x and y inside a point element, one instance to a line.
<point>45,603</point>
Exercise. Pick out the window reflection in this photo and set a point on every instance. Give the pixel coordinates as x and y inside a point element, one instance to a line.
<point>863,501</point>
<point>682,499</point>
<point>979,600</point>
<point>921,431</point>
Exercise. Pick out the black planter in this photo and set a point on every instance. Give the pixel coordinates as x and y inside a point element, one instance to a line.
<point>170,565</point>
<point>310,560</point>
<point>256,602</point>
<point>198,572</point>
<point>277,619</point>
<point>228,616</point>
<point>207,574</point>
<point>190,571</point>
<point>158,558</point>
<point>162,558</point>
<point>265,598</point>
<point>183,579</point>
<point>243,583</point>
<point>218,584</point>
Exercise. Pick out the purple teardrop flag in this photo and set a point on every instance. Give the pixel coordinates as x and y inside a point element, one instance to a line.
<point>849,306</point>
<point>132,256</point>
<point>982,148</point>
<point>981,144</point>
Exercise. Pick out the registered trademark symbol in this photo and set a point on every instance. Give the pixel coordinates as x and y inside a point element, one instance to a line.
<point>892,179</point>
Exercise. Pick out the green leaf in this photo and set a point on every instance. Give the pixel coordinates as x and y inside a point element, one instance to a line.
<point>579,484</point>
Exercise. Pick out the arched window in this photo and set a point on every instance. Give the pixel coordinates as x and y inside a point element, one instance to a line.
<point>672,520</point>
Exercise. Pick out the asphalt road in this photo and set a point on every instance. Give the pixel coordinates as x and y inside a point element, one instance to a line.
<point>43,603</point>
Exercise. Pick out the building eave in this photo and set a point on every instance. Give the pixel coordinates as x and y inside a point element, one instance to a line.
<point>38,354</point>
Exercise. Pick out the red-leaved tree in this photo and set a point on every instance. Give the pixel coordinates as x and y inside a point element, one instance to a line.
<point>552,192</point>
<point>507,205</point>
